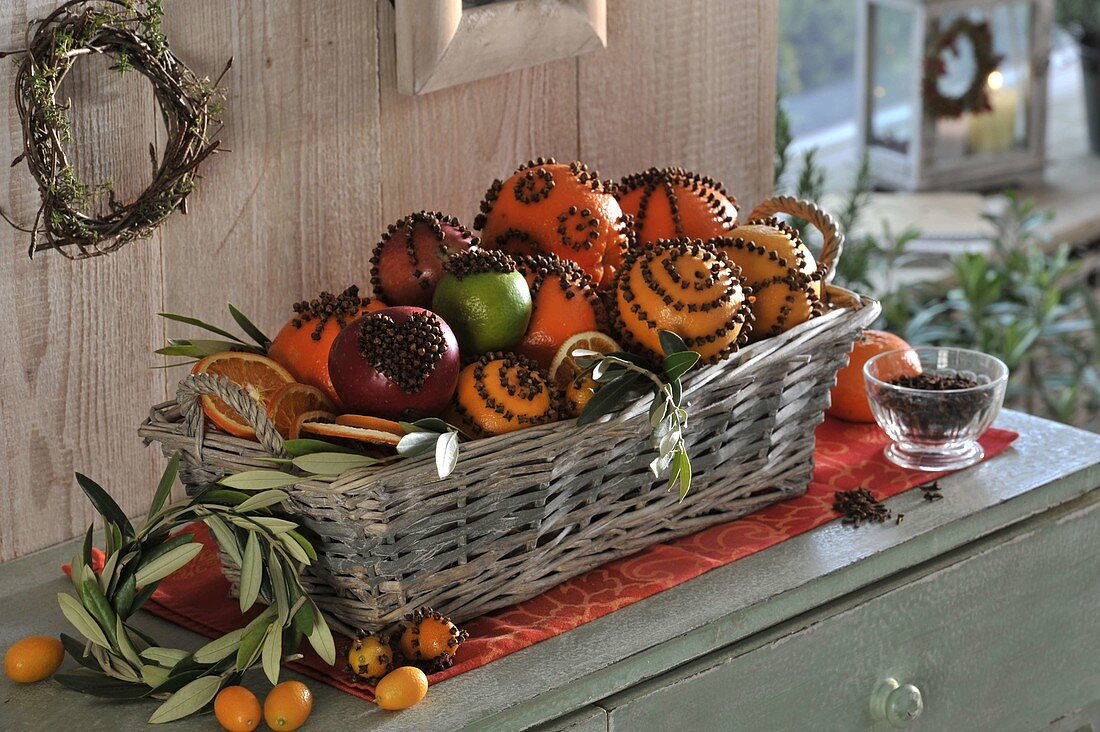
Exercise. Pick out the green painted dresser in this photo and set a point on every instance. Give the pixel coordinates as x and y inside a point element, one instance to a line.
<point>979,612</point>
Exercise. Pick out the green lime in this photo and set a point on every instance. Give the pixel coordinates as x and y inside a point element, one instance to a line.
<point>487,311</point>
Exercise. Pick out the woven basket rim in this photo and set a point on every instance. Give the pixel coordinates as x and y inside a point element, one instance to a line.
<point>755,357</point>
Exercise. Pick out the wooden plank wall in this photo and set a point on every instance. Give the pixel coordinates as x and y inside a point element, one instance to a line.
<point>324,154</point>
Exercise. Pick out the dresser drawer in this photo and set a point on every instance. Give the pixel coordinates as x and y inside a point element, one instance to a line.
<point>1001,635</point>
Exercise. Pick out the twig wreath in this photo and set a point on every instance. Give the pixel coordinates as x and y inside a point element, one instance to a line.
<point>189,105</point>
<point>976,97</point>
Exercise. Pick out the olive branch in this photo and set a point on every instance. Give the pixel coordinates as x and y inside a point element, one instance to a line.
<point>122,662</point>
<point>623,377</point>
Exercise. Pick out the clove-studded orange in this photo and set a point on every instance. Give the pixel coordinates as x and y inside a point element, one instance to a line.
<point>503,392</point>
<point>687,287</point>
<point>670,203</point>
<point>547,207</point>
<point>431,639</point>
<point>302,346</point>
<point>563,305</point>
<point>781,272</point>
<point>370,657</point>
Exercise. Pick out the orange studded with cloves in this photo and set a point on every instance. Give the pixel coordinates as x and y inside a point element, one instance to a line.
<point>687,287</point>
<point>670,203</point>
<point>547,207</point>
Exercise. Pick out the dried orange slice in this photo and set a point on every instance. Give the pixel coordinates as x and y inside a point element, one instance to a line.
<point>293,399</point>
<point>365,422</point>
<point>564,369</point>
<point>375,437</point>
<point>317,415</point>
<point>258,375</point>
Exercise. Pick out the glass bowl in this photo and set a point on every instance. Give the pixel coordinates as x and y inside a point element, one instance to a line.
<point>934,403</point>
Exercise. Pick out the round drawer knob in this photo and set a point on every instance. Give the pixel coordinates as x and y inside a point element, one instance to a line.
<point>896,704</point>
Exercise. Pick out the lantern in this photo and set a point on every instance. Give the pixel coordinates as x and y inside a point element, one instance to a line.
<point>953,93</point>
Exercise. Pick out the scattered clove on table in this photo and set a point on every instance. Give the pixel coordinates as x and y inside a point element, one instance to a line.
<point>932,491</point>
<point>860,506</point>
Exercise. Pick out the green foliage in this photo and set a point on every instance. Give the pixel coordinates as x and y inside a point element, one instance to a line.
<point>1023,302</point>
<point>624,377</point>
<point>1082,19</point>
<point>783,139</point>
<point>121,662</point>
<point>196,348</point>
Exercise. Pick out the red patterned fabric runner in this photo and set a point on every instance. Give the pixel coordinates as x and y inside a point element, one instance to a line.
<point>847,456</point>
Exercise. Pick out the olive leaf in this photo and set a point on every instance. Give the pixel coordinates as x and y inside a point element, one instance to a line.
<point>417,443</point>
<point>225,537</point>
<point>321,637</point>
<point>251,573</point>
<point>262,500</point>
<point>672,343</point>
<point>166,657</point>
<point>76,649</point>
<point>200,348</point>
<point>187,320</point>
<point>153,676</point>
<point>253,638</point>
<point>164,487</point>
<point>271,655</point>
<point>611,397</point>
<point>332,463</point>
<point>446,454</point>
<point>432,435</point>
<point>306,446</point>
<point>79,618</point>
<point>292,547</point>
<point>187,700</point>
<point>248,327</point>
<point>219,648</point>
<point>623,376</point>
<point>104,503</point>
<point>167,563</point>
<point>260,480</point>
<point>99,685</point>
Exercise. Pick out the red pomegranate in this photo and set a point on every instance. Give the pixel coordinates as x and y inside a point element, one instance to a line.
<point>397,363</point>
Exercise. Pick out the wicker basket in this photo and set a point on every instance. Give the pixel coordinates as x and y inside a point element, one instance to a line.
<point>525,511</point>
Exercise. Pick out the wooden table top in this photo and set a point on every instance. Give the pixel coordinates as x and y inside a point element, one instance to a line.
<point>1048,466</point>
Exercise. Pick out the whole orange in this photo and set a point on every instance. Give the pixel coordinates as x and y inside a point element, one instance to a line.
<point>237,709</point>
<point>33,658</point>
<point>288,705</point>
<point>849,396</point>
<point>401,688</point>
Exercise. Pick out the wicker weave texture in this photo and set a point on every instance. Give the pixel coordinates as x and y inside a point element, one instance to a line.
<point>528,510</point>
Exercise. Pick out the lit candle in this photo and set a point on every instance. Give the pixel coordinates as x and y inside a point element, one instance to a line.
<point>995,130</point>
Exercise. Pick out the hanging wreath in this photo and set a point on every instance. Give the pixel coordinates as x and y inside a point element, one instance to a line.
<point>189,106</point>
<point>986,60</point>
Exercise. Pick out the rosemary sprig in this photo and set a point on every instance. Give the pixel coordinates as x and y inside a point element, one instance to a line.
<point>623,377</point>
<point>121,662</point>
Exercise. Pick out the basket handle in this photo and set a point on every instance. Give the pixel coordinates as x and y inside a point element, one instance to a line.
<point>197,385</point>
<point>823,222</point>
